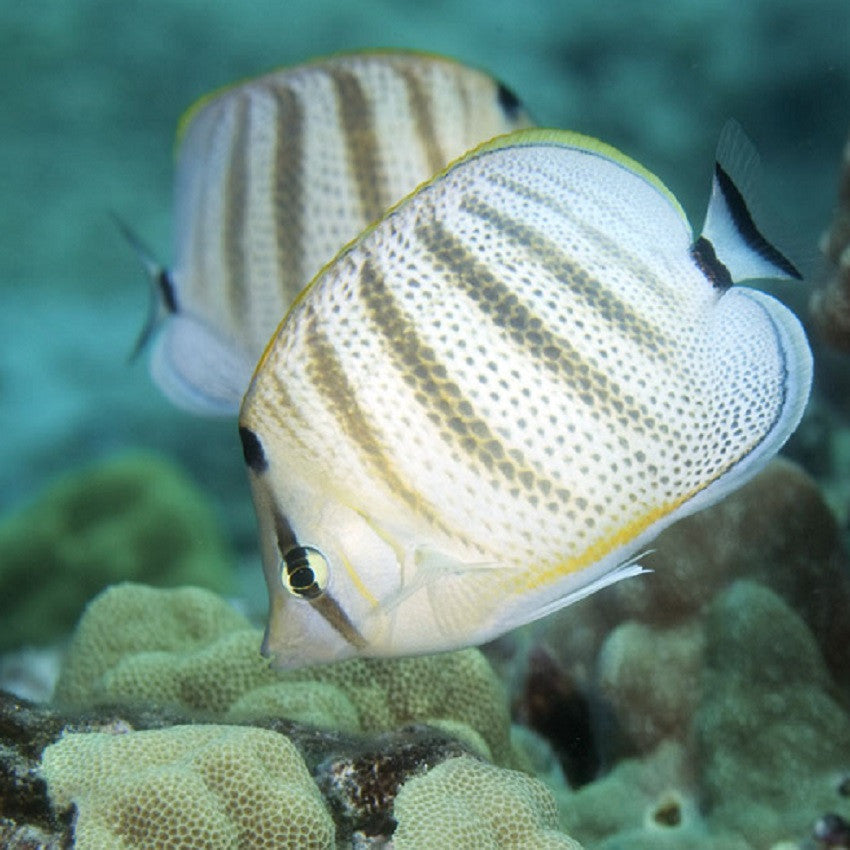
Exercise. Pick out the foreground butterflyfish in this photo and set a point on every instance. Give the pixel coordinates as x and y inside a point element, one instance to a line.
<point>274,175</point>
<point>499,394</point>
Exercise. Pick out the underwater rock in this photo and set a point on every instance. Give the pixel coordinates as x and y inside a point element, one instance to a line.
<point>777,529</point>
<point>130,517</point>
<point>14,837</point>
<point>645,804</point>
<point>771,737</point>
<point>552,705</point>
<point>361,788</point>
<point>650,677</point>
<point>467,804</point>
<point>620,800</point>
<point>187,649</point>
<point>830,303</point>
<point>25,730</point>
<point>359,775</point>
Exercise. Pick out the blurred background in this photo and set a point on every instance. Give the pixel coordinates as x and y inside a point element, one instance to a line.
<point>93,90</point>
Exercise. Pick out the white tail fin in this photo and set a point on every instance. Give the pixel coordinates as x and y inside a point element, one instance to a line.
<point>731,248</point>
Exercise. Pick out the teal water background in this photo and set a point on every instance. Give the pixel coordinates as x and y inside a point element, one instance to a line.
<point>93,90</point>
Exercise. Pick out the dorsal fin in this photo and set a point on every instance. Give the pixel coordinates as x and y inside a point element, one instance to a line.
<point>731,248</point>
<point>163,297</point>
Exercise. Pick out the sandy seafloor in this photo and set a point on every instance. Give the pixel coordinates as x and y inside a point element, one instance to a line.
<point>92,92</point>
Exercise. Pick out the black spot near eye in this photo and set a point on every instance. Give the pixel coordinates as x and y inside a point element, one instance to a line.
<point>510,103</point>
<point>252,450</point>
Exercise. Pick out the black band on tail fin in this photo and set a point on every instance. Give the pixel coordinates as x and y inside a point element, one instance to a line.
<point>163,302</point>
<point>163,292</point>
<point>744,224</point>
<point>166,289</point>
<point>706,258</point>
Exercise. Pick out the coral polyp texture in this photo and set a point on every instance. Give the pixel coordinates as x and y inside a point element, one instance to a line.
<point>690,711</point>
<point>187,788</point>
<point>187,648</point>
<point>466,804</point>
<point>130,517</point>
<point>830,304</point>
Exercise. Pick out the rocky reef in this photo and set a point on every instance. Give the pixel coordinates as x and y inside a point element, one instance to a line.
<point>704,705</point>
<point>717,686</point>
<point>163,698</point>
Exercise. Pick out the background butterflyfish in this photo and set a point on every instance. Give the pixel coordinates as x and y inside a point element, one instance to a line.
<point>274,175</point>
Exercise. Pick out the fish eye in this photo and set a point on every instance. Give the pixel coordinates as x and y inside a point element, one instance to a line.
<point>304,572</point>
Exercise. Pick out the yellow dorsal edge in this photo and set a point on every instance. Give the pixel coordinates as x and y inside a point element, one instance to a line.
<point>390,52</point>
<point>578,142</point>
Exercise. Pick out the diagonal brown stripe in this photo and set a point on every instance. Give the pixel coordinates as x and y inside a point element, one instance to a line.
<point>615,312</point>
<point>506,310</point>
<point>422,111</point>
<point>607,245</point>
<point>461,427</point>
<point>235,203</point>
<point>288,192</point>
<point>361,143</point>
<point>328,376</point>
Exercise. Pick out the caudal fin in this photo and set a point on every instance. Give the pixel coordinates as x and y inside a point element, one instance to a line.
<point>192,364</point>
<point>163,298</point>
<point>731,248</point>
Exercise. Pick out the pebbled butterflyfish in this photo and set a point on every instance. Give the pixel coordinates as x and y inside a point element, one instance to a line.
<point>274,175</point>
<point>497,395</point>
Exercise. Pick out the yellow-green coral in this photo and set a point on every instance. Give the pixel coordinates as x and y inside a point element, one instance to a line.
<point>132,618</point>
<point>317,703</point>
<point>187,788</point>
<point>128,518</point>
<point>467,804</point>
<point>186,648</point>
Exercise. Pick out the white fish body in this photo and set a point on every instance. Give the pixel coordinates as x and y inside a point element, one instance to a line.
<point>497,395</point>
<point>275,174</point>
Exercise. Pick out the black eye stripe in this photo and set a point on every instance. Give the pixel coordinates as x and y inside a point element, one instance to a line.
<point>286,541</point>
